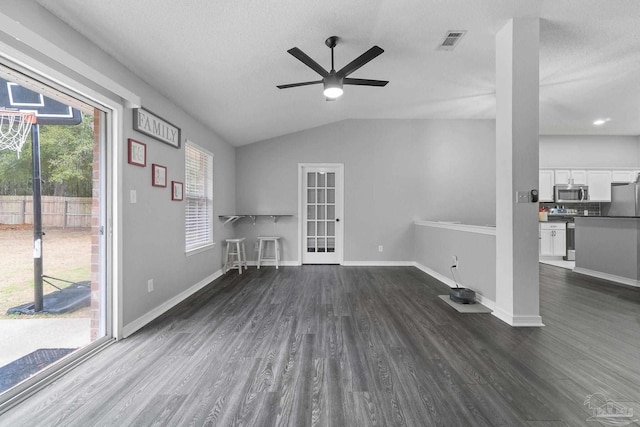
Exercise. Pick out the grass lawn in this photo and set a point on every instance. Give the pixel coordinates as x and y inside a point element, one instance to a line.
<point>66,255</point>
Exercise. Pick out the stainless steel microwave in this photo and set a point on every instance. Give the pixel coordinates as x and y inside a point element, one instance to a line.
<point>567,193</point>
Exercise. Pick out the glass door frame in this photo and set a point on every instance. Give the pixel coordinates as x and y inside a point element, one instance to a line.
<point>339,225</point>
<point>111,137</point>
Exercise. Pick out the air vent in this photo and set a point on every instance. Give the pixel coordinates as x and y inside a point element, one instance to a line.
<point>451,40</point>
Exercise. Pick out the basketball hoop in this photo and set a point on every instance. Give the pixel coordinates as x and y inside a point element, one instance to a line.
<point>14,129</point>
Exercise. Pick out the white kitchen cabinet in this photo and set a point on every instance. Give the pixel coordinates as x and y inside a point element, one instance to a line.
<point>545,185</point>
<point>564,176</point>
<point>553,239</point>
<point>622,176</point>
<point>599,182</point>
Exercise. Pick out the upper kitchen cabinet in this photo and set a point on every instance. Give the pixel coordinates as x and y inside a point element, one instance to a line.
<point>545,185</point>
<point>564,176</point>
<point>623,176</point>
<point>599,182</point>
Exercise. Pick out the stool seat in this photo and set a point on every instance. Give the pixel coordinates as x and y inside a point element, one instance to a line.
<point>235,255</point>
<point>262,248</point>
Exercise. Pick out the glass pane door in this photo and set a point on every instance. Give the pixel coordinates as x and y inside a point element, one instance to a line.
<point>321,220</point>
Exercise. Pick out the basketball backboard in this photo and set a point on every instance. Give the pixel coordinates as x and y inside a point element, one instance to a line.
<point>48,111</point>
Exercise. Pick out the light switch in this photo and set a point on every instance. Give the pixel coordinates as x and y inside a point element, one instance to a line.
<point>132,196</point>
<point>522,197</point>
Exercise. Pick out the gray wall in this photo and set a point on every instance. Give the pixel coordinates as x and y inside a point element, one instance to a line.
<point>589,151</point>
<point>154,234</point>
<point>396,171</point>
<point>609,245</point>
<point>476,254</point>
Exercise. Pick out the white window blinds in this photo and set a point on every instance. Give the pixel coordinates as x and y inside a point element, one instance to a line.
<point>198,196</point>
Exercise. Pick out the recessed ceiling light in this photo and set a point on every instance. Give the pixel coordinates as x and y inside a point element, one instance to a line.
<point>600,122</point>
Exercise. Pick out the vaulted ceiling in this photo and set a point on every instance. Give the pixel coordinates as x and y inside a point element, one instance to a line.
<point>221,60</point>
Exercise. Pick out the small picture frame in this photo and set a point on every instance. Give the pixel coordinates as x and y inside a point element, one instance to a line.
<point>176,190</point>
<point>137,153</point>
<point>158,175</point>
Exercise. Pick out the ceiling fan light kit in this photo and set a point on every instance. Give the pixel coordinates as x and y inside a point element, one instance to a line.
<point>333,86</point>
<point>333,80</point>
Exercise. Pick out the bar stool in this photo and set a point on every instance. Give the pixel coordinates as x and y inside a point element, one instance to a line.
<point>262,248</point>
<point>235,249</point>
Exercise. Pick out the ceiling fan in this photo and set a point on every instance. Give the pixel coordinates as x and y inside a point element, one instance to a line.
<point>334,80</point>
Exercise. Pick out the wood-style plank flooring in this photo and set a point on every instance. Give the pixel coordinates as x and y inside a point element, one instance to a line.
<point>356,346</point>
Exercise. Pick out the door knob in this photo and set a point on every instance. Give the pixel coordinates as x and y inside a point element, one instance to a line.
<point>337,219</point>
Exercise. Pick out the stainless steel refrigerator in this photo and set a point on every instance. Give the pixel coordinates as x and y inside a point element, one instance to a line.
<point>625,200</point>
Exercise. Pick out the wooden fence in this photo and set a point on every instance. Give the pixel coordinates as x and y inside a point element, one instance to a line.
<point>56,211</point>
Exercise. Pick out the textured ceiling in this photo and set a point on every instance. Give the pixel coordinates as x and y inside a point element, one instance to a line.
<point>221,60</point>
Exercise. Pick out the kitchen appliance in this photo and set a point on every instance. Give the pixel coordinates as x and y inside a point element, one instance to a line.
<point>458,294</point>
<point>625,200</point>
<point>571,242</point>
<point>567,193</point>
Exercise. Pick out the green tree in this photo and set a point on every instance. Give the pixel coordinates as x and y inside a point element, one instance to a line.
<point>66,162</point>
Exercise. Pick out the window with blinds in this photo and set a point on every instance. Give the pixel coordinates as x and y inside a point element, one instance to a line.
<point>198,195</point>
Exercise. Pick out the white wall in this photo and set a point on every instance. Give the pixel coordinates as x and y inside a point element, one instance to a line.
<point>584,151</point>
<point>396,171</point>
<point>152,229</point>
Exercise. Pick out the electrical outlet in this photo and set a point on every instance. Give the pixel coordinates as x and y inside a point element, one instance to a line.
<point>256,246</point>
<point>150,285</point>
<point>455,264</point>
<point>133,196</point>
<point>380,248</point>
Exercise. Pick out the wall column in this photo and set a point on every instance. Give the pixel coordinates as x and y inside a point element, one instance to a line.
<point>517,153</point>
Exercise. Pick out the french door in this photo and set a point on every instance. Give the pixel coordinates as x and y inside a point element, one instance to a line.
<point>322,211</point>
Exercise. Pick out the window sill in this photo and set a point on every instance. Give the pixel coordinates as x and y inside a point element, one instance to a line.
<point>200,249</point>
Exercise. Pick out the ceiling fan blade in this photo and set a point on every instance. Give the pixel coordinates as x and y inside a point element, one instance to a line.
<point>329,99</point>
<point>298,84</point>
<point>360,61</point>
<point>364,82</point>
<point>306,60</point>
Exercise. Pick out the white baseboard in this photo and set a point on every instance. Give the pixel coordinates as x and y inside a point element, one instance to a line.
<point>517,321</point>
<point>146,318</point>
<point>271,263</point>
<point>490,304</point>
<point>378,263</point>
<point>607,276</point>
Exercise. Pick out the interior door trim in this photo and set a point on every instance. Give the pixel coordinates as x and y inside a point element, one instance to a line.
<point>301,207</point>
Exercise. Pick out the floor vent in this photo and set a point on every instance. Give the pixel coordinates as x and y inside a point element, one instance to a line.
<point>451,40</point>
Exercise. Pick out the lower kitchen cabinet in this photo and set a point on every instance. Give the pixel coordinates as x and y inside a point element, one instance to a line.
<point>553,239</point>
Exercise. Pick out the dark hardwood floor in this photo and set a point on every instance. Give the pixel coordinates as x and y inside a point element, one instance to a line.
<point>356,346</point>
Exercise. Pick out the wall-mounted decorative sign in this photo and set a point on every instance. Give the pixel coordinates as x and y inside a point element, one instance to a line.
<point>137,153</point>
<point>176,190</point>
<point>158,176</point>
<point>156,127</point>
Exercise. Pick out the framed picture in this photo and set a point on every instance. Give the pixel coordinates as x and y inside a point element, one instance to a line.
<point>137,153</point>
<point>158,176</point>
<point>176,190</point>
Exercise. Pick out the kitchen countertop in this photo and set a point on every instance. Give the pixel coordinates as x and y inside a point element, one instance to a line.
<point>611,217</point>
